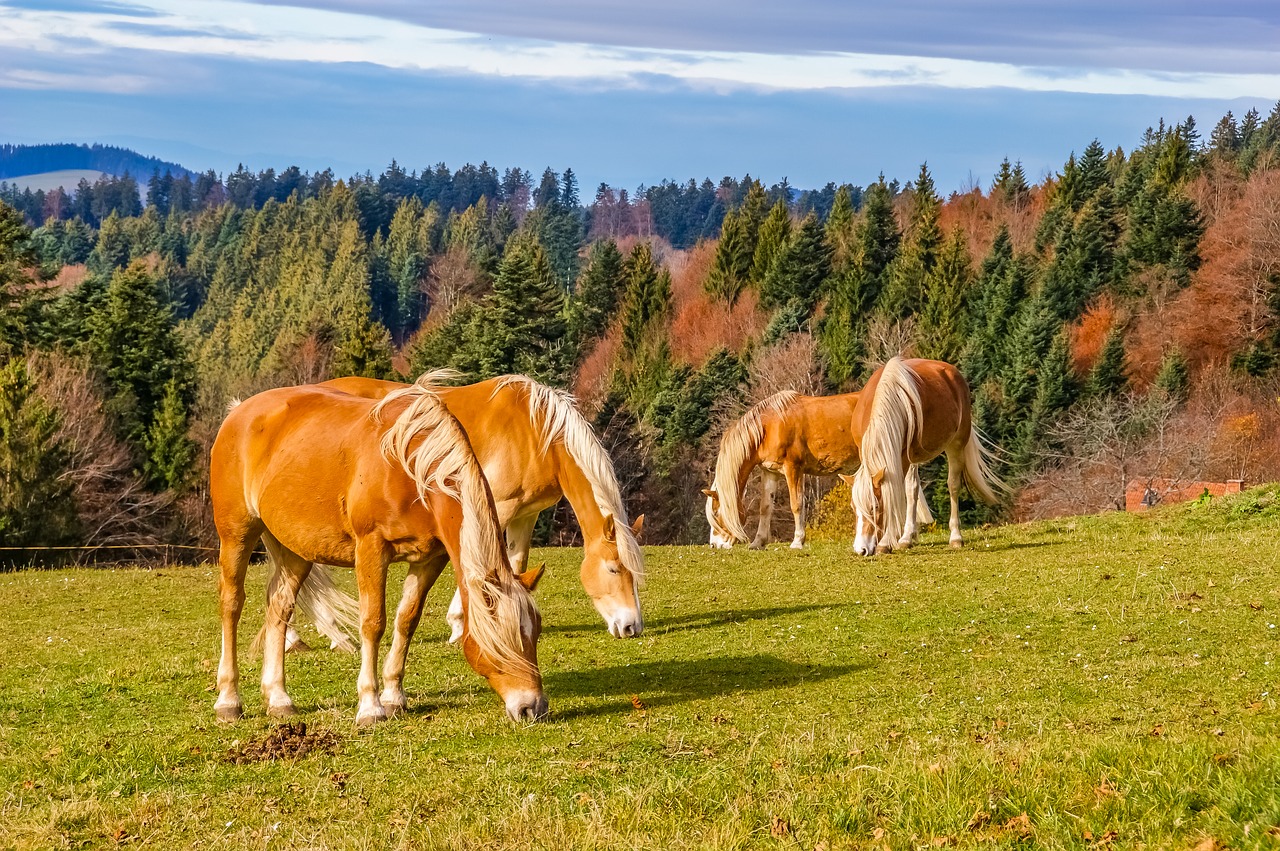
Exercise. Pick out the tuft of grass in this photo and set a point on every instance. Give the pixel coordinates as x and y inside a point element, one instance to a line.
<point>1093,682</point>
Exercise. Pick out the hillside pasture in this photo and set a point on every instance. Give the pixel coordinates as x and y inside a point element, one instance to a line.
<point>1097,682</point>
<point>48,181</point>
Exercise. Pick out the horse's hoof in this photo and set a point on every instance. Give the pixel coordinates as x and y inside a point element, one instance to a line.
<point>797,545</point>
<point>298,646</point>
<point>229,714</point>
<point>883,548</point>
<point>281,710</point>
<point>957,545</point>
<point>755,545</point>
<point>369,719</point>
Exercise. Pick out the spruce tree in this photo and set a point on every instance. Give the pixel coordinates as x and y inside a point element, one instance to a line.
<point>523,317</point>
<point>170,452</point>
<point>595,299</point>
<point>800,269</point>
<point>904,294</point>
<point>1107,377</point>
<point>36,507</point>
<point>944,317</point>
<point>17,255</point>
<point>1174,377</point>
<point>731,265</point>
<point>775,232</point>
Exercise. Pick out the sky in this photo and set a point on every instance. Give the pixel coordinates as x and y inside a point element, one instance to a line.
<point>631,93</point>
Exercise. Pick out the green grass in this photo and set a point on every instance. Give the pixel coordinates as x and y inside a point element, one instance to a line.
<point>1113,678</point>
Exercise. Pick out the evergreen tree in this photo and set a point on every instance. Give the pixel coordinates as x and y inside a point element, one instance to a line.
<point>647,297</point>
<point>1107,377</point>
<point>169,451</point>
<point>775,232</point>
<point>731,266</point>
<point>17,255</point>
<point>523,322</point>
<point>904,294</point>
<point>1055,392</point>
<point>36,507</point>
<point>943,317</point>
<point>595,300</point>
<point>1174,377</point>
<point>800,268</point>
<point>132,340</point>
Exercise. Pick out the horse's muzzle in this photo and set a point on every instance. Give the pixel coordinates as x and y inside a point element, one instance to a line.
<point>527,706</point>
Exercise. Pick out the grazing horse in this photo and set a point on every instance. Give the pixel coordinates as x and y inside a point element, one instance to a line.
<point>323,476</point>
<point>919,409</point>
<point>791,436</point>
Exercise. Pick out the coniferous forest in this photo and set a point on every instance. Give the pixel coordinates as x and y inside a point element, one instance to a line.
<point>1116,320</point>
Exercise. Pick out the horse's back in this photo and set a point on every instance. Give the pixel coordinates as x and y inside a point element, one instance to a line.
<point>945,403</point>
<point>816,431</point>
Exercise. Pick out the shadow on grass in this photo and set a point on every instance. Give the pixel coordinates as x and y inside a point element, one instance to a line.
<point>680,681</point>
<point>695,620</point>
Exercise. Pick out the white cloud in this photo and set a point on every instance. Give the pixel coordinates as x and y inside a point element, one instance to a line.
<point>243,30</point>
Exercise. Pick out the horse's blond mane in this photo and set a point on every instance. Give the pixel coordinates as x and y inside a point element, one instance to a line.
<point>896,412</point>
<point>431,447</point>
<point>740,441</point>
<point>555,416</point>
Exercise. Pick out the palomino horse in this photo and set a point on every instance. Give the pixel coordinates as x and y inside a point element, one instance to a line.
<point>320,476</point>
<point>919,409</point>
<point>791,436</point>
<point>534,447</point>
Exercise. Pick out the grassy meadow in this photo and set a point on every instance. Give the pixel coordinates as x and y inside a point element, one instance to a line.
<point>1098,682</point>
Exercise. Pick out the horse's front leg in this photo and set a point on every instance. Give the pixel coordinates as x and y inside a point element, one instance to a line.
<point>795,490</point>
<point>416,585</point>
<point>955,476</point>
<point>764,530</point>
<point>372,559</point>
<point>911,521</point>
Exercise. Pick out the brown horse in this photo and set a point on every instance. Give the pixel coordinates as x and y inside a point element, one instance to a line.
<point>919,410</point>
<point>791,436</point>
<point>322,476</point>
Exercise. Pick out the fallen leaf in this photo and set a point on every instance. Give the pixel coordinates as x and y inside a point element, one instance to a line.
<point>638,703</point>
<point>980,817</point>
<point>936,768</point>
<point>1257,607</point>
<point>878,833</point>
<point>1209,844</point>
<point>1105,789</point>
<point>1224,758</point>
<point>780,827</point>
<point>943,841</point>
<point>1019,824</point>
<point>1157,730</point>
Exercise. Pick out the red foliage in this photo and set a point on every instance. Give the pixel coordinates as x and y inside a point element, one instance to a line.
<point>700,323</point>
<point>591,384</point>
<point>1089,334</point>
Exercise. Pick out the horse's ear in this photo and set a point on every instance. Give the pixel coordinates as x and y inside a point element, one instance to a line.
<point>529,579</point>
<point>877,478</point>
<point>848,480</point>
<point>637,526</point>
<point>708,492</point>
<point>610,531</point>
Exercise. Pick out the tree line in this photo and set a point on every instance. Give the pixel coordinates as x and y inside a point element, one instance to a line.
<point>125,331</point>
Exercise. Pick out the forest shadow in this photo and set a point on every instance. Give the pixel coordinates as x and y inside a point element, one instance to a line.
<point>683,680</point>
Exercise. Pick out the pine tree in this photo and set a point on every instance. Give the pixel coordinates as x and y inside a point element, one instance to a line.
<point>133,341</point>
<point>1107,377</point>
<point>800,269</point>
<point>647,297</point>
<point>36,506</point>
<point>731,266</point>
<point>904,294</point>
<point>170,452</point>
<point>17,255</point>
<point>523,317</point>
<point>775,232</point>
<point>595,300</point>
<point>944,316</point>
<point>1174,377</point>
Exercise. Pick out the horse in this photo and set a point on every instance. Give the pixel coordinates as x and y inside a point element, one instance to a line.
<point>534,447</point>
<point>790,436</point>
<point>919,410</point>
<point>322,476</point>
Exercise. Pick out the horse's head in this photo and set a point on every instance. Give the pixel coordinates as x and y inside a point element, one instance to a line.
<point>517,681</point>
<point>869,510</point>
<point>720,537</point>
<point>610,582</point>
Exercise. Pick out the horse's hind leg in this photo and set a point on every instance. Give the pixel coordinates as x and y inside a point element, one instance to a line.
<point>291,572</point>
<point>955,477</point>
<point>795,490</point>
<point>911,523</point>
<point>233,559</point>
<point>416,585</point>
<point>764,530</point>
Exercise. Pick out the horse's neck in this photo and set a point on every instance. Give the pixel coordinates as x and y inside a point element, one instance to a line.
<point>578,490</point>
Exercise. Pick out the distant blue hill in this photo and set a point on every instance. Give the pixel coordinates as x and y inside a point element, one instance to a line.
<point>20,160</point>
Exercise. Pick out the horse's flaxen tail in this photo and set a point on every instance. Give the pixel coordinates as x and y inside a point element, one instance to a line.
<point>737,447</point>
<point>896,414</point>
<point>335,613</point>
<point>978,474</point>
